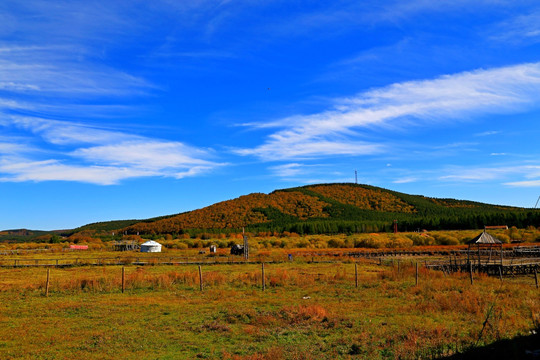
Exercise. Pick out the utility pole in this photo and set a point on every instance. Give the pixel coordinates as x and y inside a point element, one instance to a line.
<point>246,245</point>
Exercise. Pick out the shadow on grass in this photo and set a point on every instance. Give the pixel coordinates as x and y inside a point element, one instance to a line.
<point>521,347</point>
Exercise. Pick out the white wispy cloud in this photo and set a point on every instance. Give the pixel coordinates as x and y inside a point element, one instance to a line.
<point>54,59</point>
<point>478,174</point>
<point>148,154</point>
<point>79,152</point>
<point>66,132</point>
<point>519,29</point>
<point>488,133</point>
<point>19,170</point>
<point>11,104</point>
<point>54,72</point>
<point>9,147</point>
<point>344,15</point>
<point>405,180</point>
<point>525,183</point>
<point>60,88</point>
<point>458,96</point>
<point>296,146</point>
<point>529,173</point>
<point>288,170</point>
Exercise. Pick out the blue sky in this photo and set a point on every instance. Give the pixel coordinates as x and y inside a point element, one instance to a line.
<point>134,109</point>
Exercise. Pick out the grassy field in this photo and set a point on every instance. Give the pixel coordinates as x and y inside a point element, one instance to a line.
<point>308,311</point>
<point>267,242</point>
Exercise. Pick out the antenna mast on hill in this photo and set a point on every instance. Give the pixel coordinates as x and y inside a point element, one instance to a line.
<point>537,202</point>
<point>356,178</point>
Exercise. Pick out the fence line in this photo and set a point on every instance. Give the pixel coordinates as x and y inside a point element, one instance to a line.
<point>69,262</point>
<point>399,270</point>
<point>134,260</point>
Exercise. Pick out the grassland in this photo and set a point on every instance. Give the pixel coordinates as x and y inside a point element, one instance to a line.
<point>287,241</point>
<point>308,311</point>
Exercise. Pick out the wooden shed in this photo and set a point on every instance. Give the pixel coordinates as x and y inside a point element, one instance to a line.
<point>484,244</point>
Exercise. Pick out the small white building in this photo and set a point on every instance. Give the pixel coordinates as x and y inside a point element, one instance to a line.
<point>151,246</point>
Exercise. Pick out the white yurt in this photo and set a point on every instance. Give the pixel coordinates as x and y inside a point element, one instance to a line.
<point>151,246</point>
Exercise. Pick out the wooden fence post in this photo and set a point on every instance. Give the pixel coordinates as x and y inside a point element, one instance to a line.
<point>536,277</point>
<point>263,280</point>
<point>200,278</point>
<point>416,276</point>
<point>356,274</point>
<point>500,273</point>
<point>123,279</point>
<point>48,281</point>
<point>470,272</point>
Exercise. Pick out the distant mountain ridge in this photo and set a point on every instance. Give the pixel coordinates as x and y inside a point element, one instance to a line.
<point>24,234</point>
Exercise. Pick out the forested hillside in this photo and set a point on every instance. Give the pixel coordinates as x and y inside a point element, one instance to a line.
<point>335,208</point>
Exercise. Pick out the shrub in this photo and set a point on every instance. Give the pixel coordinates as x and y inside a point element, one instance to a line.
<point>181,245</point>
<point>336,243</point>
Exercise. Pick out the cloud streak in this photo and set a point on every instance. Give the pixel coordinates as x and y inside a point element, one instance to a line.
<point>78,152</point>
<point>52,71</point>
<point>335,132</point>
<point>522,28</point>
<point>19,170</point>
<point>149,153</point>
<point>529,174</point>
<point>525,183</point>
<point>59,86</point>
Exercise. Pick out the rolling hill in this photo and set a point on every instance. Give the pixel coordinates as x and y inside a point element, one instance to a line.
<point>330,208</point>
<point>314,209</point>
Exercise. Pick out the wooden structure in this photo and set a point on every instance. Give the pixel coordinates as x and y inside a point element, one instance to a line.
<point>527,251</point>
<point>484,243</point>
<point>485,254</point>
<point>125,245</point>
<point>509,267</point>
<point>495,227</point>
